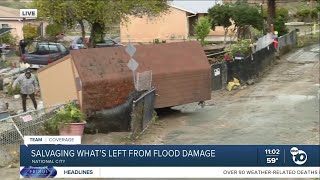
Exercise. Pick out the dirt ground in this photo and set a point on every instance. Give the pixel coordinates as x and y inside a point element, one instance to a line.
<point>281,108</point>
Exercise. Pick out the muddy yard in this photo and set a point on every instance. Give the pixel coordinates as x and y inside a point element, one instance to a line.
<point>280,108</point>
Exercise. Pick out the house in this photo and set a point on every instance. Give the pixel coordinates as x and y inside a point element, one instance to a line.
<point>261,1</point>
<point>10,18</point>
<point>175,25</point>
<point>99,78</point>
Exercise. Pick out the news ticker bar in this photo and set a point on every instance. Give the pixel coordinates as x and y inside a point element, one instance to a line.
<point>171,172</point>
<point>170,155</point>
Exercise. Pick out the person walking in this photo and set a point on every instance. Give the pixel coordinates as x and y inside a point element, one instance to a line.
<point>29,87</point>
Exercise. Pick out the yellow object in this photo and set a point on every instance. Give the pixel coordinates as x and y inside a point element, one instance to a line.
<point>235,82</point>
<point>275,32</point>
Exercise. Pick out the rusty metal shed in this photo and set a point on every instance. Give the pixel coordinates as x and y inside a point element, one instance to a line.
<point>180,73</point>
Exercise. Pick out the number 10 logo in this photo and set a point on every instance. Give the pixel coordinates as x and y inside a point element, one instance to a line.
<point>298,156</point>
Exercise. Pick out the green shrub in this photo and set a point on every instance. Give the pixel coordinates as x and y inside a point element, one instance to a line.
<point>13,90</point>
<point>52,30</point>
<point>202,29</point>
<point>242,47</point>
<point>30,32</point>
<point>69,114</point>
<point>8,38</point>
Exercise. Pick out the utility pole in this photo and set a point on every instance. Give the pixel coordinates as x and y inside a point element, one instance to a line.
<point>271,13</point>
<point>261,6</point>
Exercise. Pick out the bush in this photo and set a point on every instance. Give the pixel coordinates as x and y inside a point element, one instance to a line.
<point>242,46</point>
<point>13,90</point>
<point>202,29</point>
<point>8,39</point>
<point>69,114</point>
<point>279,25</point>
<point>30,32</point>
<point>52,30</point>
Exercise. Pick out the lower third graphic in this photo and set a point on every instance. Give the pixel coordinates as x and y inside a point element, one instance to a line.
<point>38,172</point>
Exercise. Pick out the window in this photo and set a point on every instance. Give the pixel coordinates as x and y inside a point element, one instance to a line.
<point>79,41</point>
<point>5,26</point>
<point>63,49</point>
<point>52,48</point>
<point>109,42</point>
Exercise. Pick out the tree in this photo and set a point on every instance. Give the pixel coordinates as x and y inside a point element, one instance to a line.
<point>202,29</point>
<point>52,30</point>
<point>220,15</point>
<point>96,12</point>
<point>7,38</point>
<point>244,15</point>
<point>30,32</point>
<point>282,16</point>
<point>271,12</point>
<point>304,14</point>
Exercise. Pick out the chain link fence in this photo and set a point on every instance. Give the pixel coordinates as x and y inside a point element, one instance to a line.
<point>144,80</point>
<point>14,128</point>
<point>142,112</point>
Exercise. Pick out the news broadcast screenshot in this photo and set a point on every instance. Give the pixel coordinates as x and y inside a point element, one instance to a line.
<point>150,89</point>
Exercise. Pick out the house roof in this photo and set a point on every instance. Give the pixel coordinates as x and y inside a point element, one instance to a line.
<point>6,12</point>
<point>195,6</point>
<point>4,30</point>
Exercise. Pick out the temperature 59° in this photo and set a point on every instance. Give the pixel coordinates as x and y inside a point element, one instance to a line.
<point>272,160</point>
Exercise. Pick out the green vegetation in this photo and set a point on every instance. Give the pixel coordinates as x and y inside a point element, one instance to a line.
<point>8,38</point>
<point>244,15</point>
<point>308,14</point>
<point>221,15</point>
<point>202,29</point>
<point>14,4</point>
<point>52,30</point>
<point>69,114</point>
<point>241,13</point>
<point>282,16</point>
<point>97,13</point>
<point>30,32</point>
<point>13,90</point>
<point>242,47</point>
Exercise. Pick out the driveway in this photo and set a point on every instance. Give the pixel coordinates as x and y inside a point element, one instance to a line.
<point>282,108</point>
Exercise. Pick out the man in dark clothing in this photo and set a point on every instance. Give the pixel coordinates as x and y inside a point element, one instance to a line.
<point>23,45</point>
<point>229,67</point>
<point>29,86</point>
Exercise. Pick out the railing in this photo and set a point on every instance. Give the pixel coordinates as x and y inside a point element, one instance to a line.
<point>142,112</point>
<point>14,128</point>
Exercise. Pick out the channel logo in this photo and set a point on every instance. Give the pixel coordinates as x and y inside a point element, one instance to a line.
<point>298,156</point>
<point>38,172</point>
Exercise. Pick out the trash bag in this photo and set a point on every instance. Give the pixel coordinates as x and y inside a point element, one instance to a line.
<point>116,119</point>
<point>233,83</point>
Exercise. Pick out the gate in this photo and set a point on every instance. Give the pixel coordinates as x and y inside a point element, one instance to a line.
<point>142,112</point>
<point>216,77</point>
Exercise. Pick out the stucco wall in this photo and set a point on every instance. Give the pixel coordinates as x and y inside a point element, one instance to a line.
<point>172,25</point>
<point>17,28</point>
<point>57,84</point>
<point>18,25</point>
<point>76,75</point>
